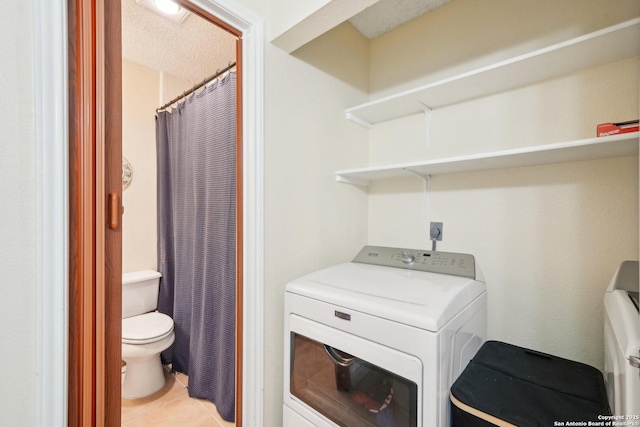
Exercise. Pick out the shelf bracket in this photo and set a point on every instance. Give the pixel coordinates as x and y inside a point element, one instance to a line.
<point>427,119</point>
<point>362,122</point>
<point>426,178</point>
<point>353,181</point>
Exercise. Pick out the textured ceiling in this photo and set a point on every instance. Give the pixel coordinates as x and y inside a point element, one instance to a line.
<point>386,15</point>
<point>192,50</point>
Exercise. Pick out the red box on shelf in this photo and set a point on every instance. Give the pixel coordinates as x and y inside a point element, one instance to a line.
<point>608,129</point>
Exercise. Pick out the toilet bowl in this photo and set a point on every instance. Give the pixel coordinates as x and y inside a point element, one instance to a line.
<point>145,334</point>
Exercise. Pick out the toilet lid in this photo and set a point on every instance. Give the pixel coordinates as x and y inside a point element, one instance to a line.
<point>146,328</point>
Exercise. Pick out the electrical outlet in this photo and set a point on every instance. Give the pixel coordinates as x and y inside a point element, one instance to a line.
<point>435,228</point>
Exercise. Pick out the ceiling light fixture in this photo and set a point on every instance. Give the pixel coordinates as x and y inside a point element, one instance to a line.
<point>167,6</point>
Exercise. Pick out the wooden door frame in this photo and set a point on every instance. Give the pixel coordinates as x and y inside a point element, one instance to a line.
<point>94,280</point>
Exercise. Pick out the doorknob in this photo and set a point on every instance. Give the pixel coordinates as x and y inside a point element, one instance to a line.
<point>114,210</point>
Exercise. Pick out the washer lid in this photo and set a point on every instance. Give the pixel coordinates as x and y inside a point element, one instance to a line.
<point>416,298</point>
<point>146,327</point>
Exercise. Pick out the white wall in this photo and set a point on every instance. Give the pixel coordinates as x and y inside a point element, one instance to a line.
<point>171,87</point>
<point>560,110</point>
<point>17,217</point>
<point>310,220</point>
<point>548,238</point>
<point>295,23</point>
<point>143,90</point>
<point>140,98</point>
<point>464,34</point>
<point>287,13</point>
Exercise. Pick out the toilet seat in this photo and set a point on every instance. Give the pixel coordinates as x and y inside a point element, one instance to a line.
<point>146,328</point>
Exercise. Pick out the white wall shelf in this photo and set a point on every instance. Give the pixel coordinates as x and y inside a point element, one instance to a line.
<point>572,151</point>
<point>598,48</point>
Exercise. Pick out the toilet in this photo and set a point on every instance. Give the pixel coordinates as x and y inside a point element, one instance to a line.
<point>622,341</point>
<point>145,334</point>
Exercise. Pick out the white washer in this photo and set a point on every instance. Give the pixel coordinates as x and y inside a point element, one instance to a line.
<point>622,342</point>
<point>379,341</point>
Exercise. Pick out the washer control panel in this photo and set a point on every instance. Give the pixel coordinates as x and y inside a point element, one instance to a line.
<point>454,264</point>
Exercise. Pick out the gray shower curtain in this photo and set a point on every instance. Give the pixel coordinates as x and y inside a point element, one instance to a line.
<point>196,153</point>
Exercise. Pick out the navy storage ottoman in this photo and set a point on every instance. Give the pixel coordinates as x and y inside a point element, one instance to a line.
<point>507,385</point>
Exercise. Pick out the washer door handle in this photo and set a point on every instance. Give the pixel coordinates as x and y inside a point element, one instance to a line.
<point>338,358</point>
<point>634,361</point>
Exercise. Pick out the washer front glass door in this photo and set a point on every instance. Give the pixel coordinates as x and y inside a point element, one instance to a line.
<point>350,391</point>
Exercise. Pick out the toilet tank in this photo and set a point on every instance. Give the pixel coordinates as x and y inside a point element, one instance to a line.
<point>140,292</point>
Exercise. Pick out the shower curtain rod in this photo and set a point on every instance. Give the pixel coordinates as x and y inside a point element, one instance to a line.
<point>198,86</point>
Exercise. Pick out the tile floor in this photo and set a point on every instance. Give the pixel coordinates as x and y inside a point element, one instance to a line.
<point>171,407</point>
